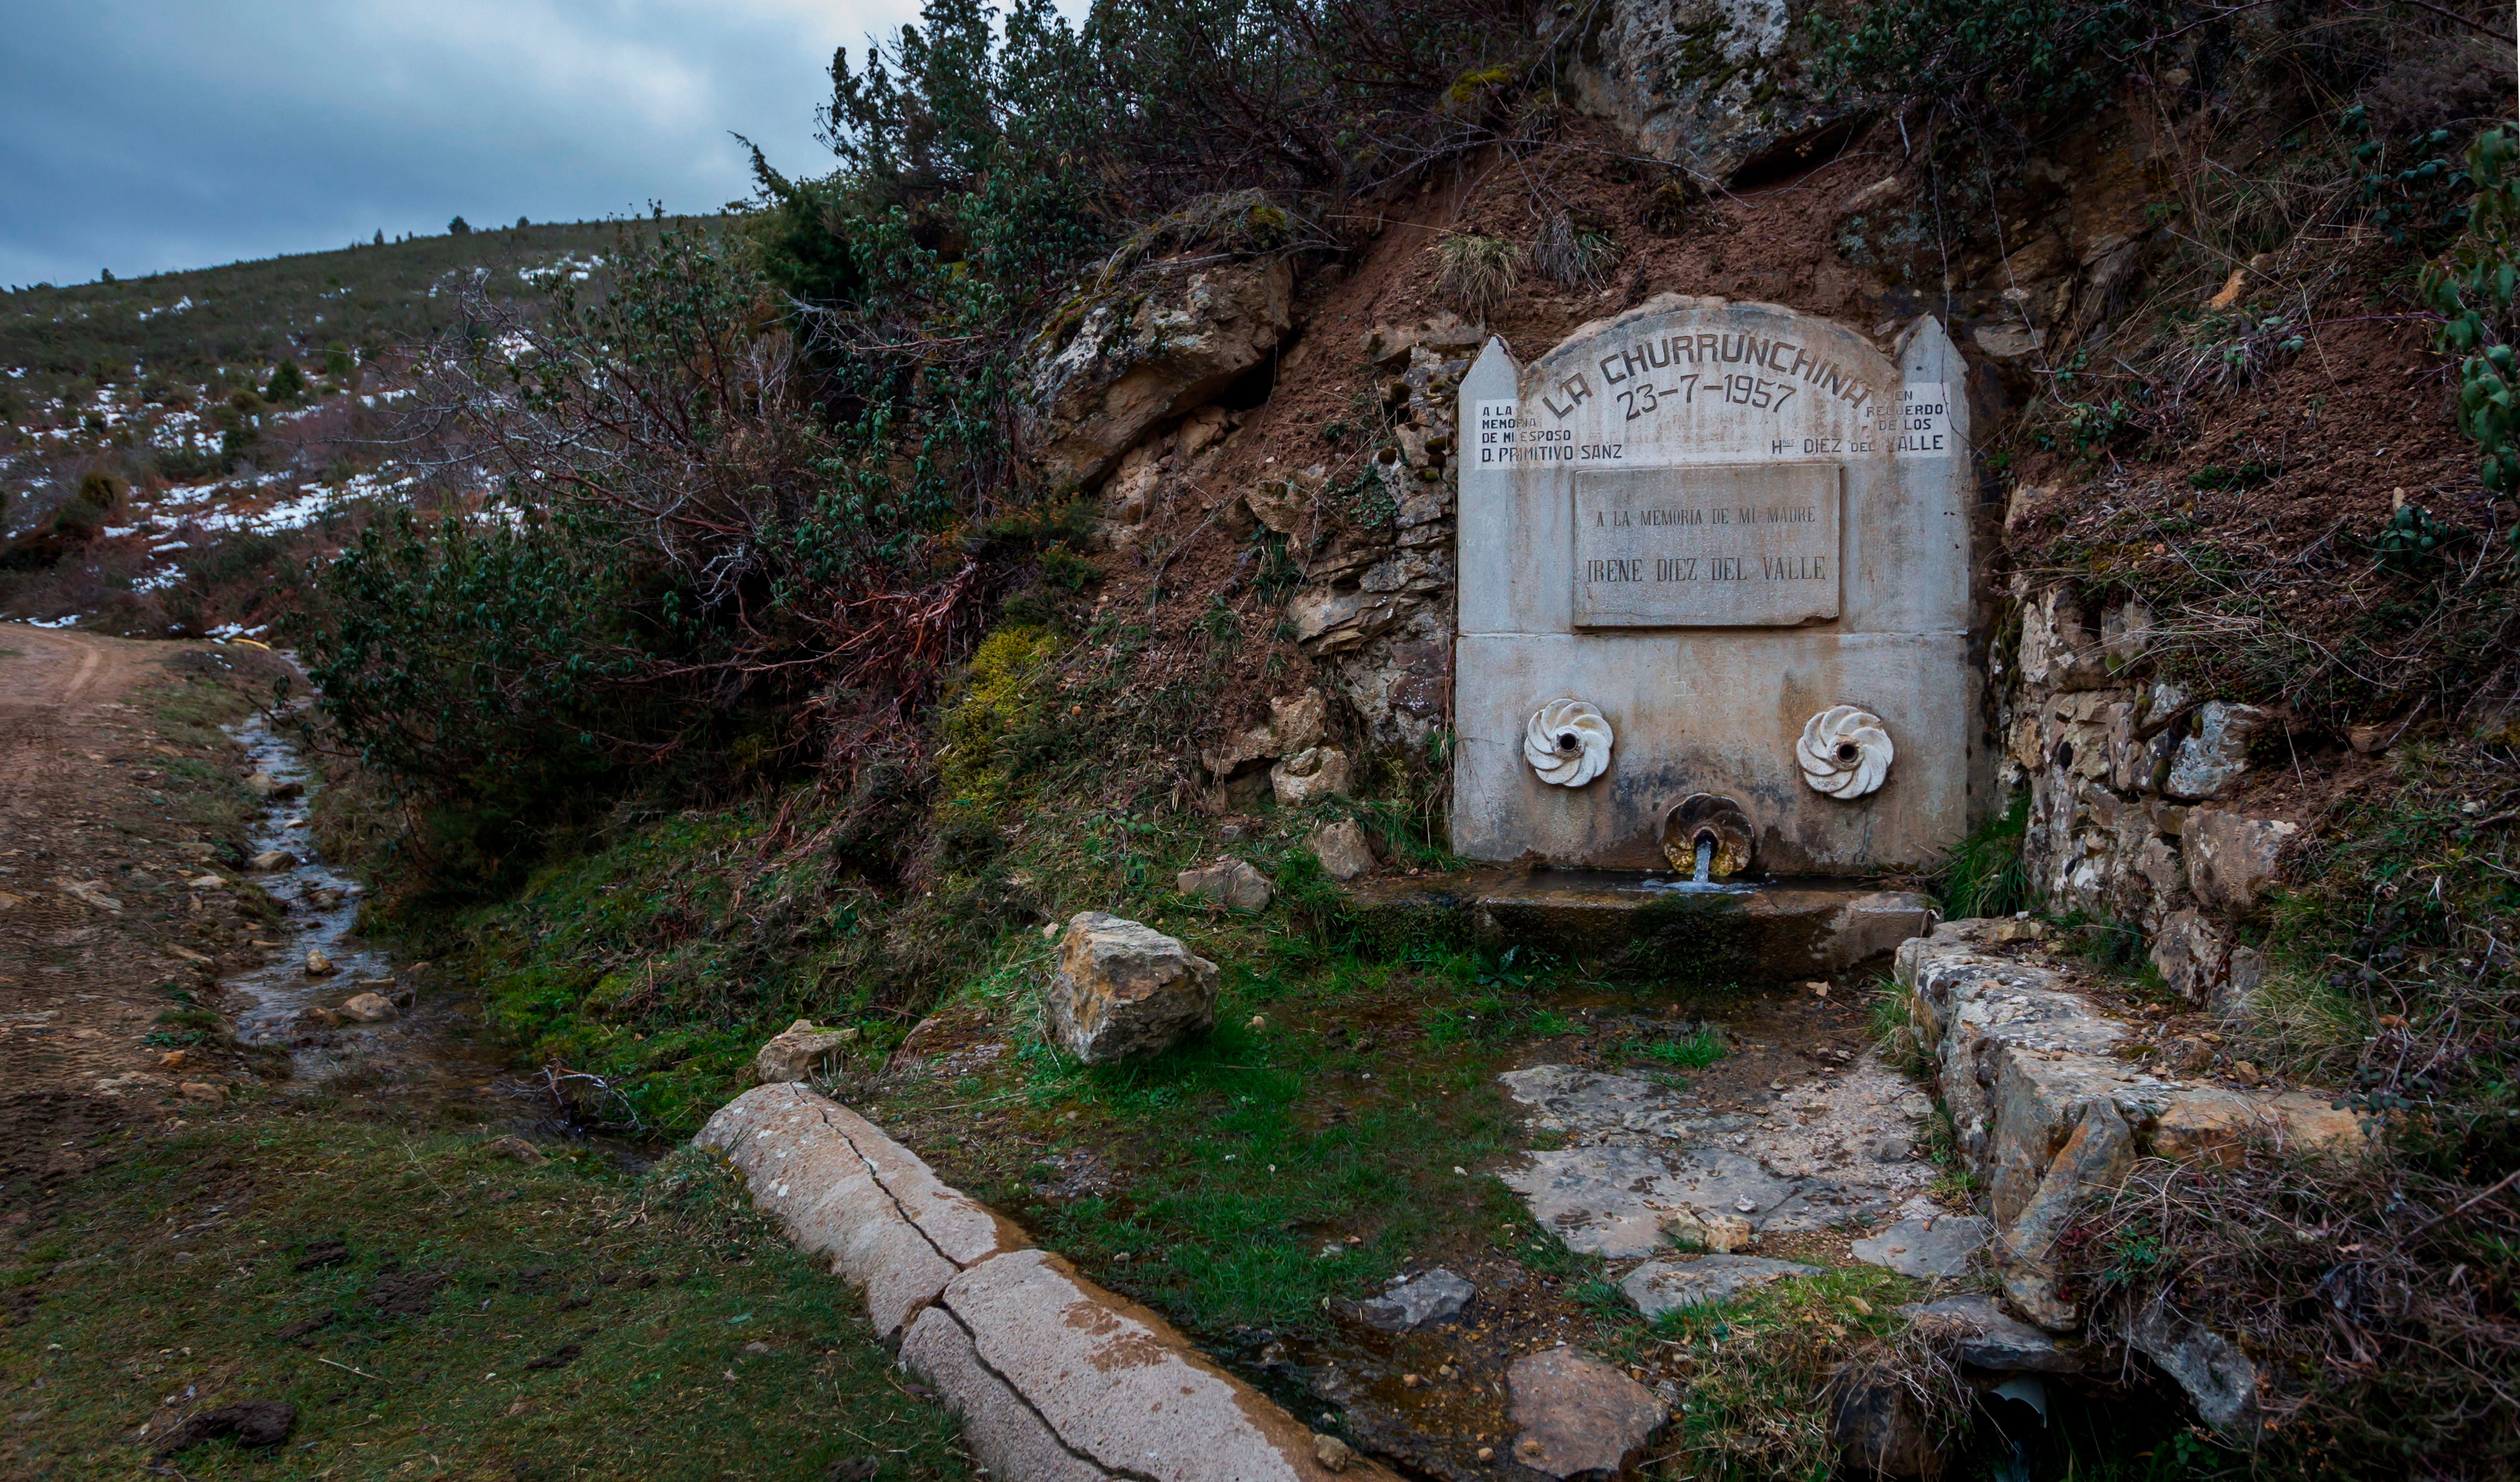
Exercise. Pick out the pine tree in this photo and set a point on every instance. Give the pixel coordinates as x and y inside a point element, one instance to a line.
<point>459,227</point>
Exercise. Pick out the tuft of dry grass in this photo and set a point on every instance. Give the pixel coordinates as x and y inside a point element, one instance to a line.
<point>1478,272</point>
<point>2376,1303</point>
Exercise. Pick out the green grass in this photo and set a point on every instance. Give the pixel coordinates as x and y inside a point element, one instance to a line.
<point>1237,1158</point>
<point>1984,875</point>
<point>176,1270</point>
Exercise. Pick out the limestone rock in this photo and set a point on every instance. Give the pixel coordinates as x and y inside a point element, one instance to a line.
<point>264,785</point>
<point>1151,348</point>
<point>1879,1425</point>
<point>1310,776</point>
<point>2230,858</point>
<point>1713,85</point>
<point>1933,1247</point>
<point>317,965</point>
<point>1576,1414</point>
<point>1433,1297</point>
<point>2210,763</point>
<point>271,860</point>
<point>1288,506</point>
<point>1660,1286</point>
<point>1717,1233</point>
<point>1981,1333</point>
<point>1230,883</point>
<point>1296,723</point>
<point>369,1008</point>
<point>1342,849</point>
<point>2220,1379</point>
<point>798,1052</point>
<point>1124,989</point>
<point>2190,954</point>
<point>1447,335</point>
<point>1132,489</point>
<point>516,1150</point>
<point>1202,430</point>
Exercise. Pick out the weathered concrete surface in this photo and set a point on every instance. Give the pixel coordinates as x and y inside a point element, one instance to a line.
<point>842,1188</point>
<point>1774,932</point>
<point>1058,1380</point>
<point>1623,413</point>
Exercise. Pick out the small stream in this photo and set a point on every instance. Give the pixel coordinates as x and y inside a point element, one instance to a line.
<point>428,1050</point>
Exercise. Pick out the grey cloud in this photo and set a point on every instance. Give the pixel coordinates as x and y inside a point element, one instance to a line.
<point>142,135</point>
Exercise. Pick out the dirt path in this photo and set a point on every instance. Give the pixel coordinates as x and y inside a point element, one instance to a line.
<point>114,790</point>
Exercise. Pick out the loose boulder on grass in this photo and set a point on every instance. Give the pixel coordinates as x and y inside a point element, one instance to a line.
<point>1342,849</point>
<point>798,1052</point>
<point>1124,989</point>
<point>1230,883</point>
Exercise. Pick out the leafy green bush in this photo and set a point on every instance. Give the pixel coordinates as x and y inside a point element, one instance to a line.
<point>1998,71</point>
<point>2472,286</point>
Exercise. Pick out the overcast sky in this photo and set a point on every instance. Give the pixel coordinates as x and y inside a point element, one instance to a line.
<point>141,135</point>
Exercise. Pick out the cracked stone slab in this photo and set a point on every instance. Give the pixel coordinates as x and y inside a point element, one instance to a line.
<point>1660,1286</point>
<point>1593,1105</point>
<point>842,1188</point>
<point>1810,1162</point>
<point>1936,1246</point>
<point>1057,1380</point>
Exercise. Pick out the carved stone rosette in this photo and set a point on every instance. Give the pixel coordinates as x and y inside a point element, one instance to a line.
<point>1567,743</point>
<point>1844,752</point>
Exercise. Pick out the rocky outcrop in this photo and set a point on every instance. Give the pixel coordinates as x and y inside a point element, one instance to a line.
<point>1713,86</point>
<point>1377,605</point>
<point>1163,341</point>
<point>2046,1113</point>
<point>2128,779</point>
<point>1054,1377</point>
<point>1125,990</point>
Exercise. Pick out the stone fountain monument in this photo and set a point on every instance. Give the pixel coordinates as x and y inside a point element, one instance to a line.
<point>1714,612</point>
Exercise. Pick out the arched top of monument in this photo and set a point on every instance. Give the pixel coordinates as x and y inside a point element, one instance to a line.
<point>1707,311</point>
<point>1681,379</point>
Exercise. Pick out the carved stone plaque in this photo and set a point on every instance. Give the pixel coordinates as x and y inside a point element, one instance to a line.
<point>1708,545</point>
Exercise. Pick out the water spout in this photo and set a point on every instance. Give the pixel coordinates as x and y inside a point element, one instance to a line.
<point>1705,859</point>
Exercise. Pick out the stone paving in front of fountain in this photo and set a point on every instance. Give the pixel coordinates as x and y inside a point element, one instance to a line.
<point>1838,1154</point>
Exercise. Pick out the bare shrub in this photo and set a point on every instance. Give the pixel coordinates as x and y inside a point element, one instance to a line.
<point>1578,254</point>
<point>2374,1300</point>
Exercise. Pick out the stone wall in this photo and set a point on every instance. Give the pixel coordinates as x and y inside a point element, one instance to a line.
<point>2133,790</point>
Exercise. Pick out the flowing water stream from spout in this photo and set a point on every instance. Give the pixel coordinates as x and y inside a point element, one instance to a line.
<point>1705,862</point>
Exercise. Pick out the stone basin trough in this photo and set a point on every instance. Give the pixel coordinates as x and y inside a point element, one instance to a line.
<point>1638,925</point>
